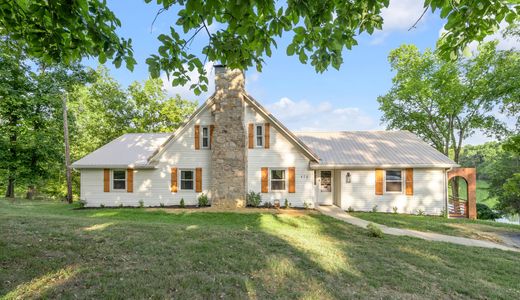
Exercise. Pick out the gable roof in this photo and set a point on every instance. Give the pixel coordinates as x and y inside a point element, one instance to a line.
<point>370,149</point>
<point>130,150</point>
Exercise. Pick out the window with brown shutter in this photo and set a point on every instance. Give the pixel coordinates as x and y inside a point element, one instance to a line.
<point>106,180</point>
<point>130,180</point>
<point>265,179</point>
<point>250,134</point>
<point>211,129</point>
<point>198,180</point>
<point>292,180</point>
<point>267,135</point>
<point>379,182</point>
<point>173,187</point>
<point>197,137</point>
<point>409,181</point>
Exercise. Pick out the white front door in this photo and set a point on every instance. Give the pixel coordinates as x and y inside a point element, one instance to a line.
<point>325,187</point>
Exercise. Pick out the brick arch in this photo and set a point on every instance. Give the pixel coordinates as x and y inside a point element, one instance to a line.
<point>470,175</point>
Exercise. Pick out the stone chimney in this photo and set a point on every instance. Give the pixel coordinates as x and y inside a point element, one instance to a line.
<point>229,151</point>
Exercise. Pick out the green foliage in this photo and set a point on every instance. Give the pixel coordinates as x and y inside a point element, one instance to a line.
<point>374,230</point>
<point>350,209</point>
<point>253,199</point>
<point>203,200</point>
<point>486,213</point>
<point>374,208</point>
<point>509,195</point>
<point>181,204</point>
<point>141,203</point>
<point>320,31</point>
<point>268,204</point>
<point>445,102</point>
<point>420,212</point>
<point>58,32</point>
<point>286,203</point>
<point>394,209</point>
<point>82,203</point>
<point>102,205</point>
<point>161,204</point>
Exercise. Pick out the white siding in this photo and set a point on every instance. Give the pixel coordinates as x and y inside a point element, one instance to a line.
<point>153,186</point>
<point>281,154</point>
<point>429,193</point>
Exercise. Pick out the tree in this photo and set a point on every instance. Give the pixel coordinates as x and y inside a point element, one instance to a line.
<point>154,110</point>
<point>320,30</point>
<point>444,102</point>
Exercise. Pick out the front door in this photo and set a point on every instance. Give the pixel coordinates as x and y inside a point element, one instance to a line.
<point>325,187</point>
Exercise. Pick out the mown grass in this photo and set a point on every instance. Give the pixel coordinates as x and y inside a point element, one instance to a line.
<point>53,251</point>
<point>479,229</point>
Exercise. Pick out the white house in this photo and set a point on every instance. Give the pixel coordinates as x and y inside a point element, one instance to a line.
<point>232,145</point>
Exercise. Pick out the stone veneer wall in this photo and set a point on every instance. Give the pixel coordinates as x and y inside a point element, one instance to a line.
<point>229,151</point>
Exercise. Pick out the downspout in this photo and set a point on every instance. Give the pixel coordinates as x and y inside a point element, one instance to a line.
<point>446,209</point>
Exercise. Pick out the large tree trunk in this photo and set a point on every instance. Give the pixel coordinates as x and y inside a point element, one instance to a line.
<point>9,193</point>
<point>67,150</point>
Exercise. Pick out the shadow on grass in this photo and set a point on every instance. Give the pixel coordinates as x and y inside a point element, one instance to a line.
<point>136,254</point>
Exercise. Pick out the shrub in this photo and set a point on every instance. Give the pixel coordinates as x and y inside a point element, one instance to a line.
<point>486,213</point>
<point>420,212</point>
<point>286,203</point>
<point>444,213</point>
<point>102,205</point>
<point>268,204</point>
<point>181,204</point>
<point>374,208</point>
<point>161,204</point>
<point>306,205</point>
<point>253,199</point>
<point>82,203</point>
<point>203,200</point>
<point>141,203</point>
<point>350,209</point>
<point>374,230</point>
<point>394,209</point>
<point>120,205</point>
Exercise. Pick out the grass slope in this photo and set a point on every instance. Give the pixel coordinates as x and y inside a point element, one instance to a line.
<point>479,229</point>
<point>50,250</point>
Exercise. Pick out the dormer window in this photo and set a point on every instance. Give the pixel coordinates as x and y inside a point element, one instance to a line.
<point>259,135</point>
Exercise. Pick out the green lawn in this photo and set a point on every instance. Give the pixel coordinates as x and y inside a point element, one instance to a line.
<point>479,229</point>
<point>52,251</point>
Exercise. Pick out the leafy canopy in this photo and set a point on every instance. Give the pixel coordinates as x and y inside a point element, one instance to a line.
<point>320,30</point>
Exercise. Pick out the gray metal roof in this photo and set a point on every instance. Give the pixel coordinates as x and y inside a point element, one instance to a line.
<point>128,150</point>
<point>373,149</point>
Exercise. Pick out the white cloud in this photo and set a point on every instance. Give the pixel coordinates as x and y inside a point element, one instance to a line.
<point>503,43</point>
<point>305,116</point>
<point>399,16</point>
<point>184,91</point>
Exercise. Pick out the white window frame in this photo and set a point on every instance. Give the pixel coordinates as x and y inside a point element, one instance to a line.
<point>284,180</point>
<point>202,137</point>
<point>401,181</point>
<point>112,179</point>
<point>262,136</point>
<point>193,179</point>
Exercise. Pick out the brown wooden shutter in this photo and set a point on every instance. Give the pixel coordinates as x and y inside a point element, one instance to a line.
<point>409,182</point>
<point>379,182</point>
<point>251,135</point>
<point>292,180</point>
<point>265,178</point>
<point>130,180</point>
<point>106,180</point>
<point>211,129</point>
<point>267,135</point>
<point>197,137</point>
<point>198,180</point>
<point>173,187</point>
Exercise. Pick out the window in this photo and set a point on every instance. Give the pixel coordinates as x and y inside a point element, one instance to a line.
<point>394,181</point>
<point>277,180</point>
<point>187,180</point>
<point>205,137</point>
<point>118,179</point>
<point>259,135</point>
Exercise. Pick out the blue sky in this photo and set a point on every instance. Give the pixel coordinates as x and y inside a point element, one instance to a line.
<point>293,92</point>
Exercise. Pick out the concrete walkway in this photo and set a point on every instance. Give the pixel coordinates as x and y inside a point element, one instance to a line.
<point>336,212</point>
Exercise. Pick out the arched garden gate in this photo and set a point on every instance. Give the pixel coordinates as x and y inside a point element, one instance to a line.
<point>463,205</point>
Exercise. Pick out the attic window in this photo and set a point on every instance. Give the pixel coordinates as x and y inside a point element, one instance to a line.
<point>259,133</point>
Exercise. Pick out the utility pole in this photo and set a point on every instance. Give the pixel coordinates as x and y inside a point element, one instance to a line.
<point>67,148</point>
